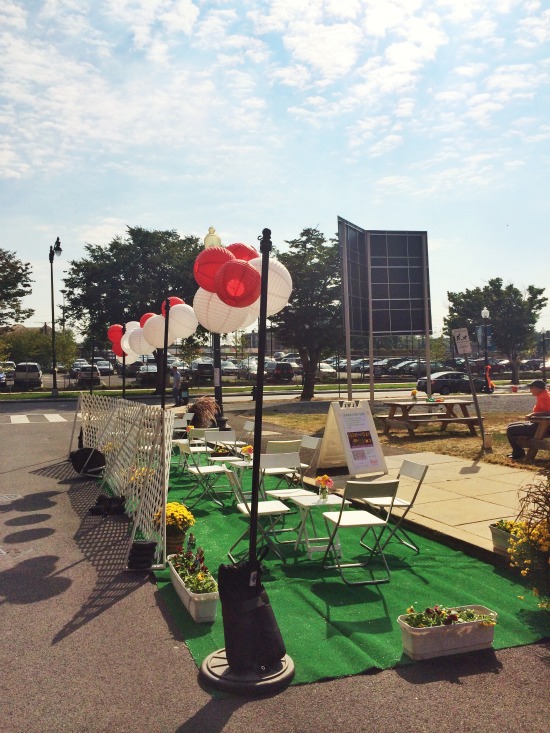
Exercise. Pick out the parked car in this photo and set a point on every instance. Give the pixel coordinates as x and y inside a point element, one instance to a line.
<point>279,371</point>
<point>75,369</point>
<point>28,375</point>
<point>326,373</point>
<point>296,365</point>
<point>497,366</point>
<point>89,375</point>
<point>229,369</point>
<point>447,382</point>
<point>8,368</point>
<point>400,367</point>
<point>202,369</point>
<point>105,367</point>
<point>418,368</point>
<point>146,375</point>
<point>3,380</point>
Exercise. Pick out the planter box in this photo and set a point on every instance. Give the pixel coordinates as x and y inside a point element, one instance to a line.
<point>201,606</point>
<point>439,641</point>
<point>500,540</point>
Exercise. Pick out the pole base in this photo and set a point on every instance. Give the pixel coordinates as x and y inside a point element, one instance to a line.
<point>55,392</point>
<point>216,672</point>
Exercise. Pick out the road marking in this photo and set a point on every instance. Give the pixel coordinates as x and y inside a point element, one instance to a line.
<point>17,419</point>
<point>55,418</point>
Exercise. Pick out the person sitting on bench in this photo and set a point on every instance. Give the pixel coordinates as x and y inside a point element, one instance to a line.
<point>528,429</point>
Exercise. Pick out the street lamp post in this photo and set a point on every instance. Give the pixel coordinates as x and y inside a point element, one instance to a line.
<point>485,316</point>
<point>55,251</point>
<point>213,240</point>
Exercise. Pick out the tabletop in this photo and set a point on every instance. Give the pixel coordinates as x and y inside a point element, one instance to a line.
<point>424,402</point>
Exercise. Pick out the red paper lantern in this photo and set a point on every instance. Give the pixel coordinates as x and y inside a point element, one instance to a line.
<point>243,251</point>
<point>114,332</point>
<point>173,300</point>
<point>116,348</point>
<point>145,317</point>
<point>238,283</point>
<point>207,265</point>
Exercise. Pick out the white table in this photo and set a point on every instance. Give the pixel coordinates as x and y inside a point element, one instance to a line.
<point>305,504</point>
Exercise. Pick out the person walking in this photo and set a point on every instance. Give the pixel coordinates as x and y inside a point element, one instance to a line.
<point>176,385</point>
<point>529,428</point>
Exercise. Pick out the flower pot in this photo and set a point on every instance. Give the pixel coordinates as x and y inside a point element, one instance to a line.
<point>174,540</point>
<point>500,540</point>
<point>439,641</point>
<point>201,606</point>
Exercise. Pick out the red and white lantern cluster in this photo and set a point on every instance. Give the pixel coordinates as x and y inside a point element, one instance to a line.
<point>145,336</point>
<point>229,279</point>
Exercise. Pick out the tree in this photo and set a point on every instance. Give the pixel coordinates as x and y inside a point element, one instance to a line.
<point>513,316</point>
<point>15,283</point>
<point>129,277</point>
<point>30,344</point>
<point>313,316</point>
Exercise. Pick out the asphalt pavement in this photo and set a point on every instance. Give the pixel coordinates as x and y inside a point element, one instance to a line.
<point>89,648</point>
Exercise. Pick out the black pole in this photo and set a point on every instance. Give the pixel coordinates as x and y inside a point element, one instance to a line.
<point>53,250</point>
<point>92,366</point>
<point>123,366</point>
<point>486,360</point>
<point>217,364</point>
<point>265,249</point>
<point>164,354</point>
<point>544,355</point>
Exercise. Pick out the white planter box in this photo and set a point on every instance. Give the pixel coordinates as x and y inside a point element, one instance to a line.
<point>500,540</point>
<point>439,641</point>
<point>201,606</point>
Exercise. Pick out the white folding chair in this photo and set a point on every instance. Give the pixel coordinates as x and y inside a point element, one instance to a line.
<point>217,441</point>
<point>206,478</point>
<point>313,445</point>
<point>269,514</point>
<point>360,519</point>
<point>285,467</point>
<point>416,472</point>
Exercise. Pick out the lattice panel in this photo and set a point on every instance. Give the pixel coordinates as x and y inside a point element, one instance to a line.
<point>136,440</point>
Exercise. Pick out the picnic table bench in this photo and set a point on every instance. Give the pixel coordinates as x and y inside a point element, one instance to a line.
<point>540,440</point>
<point>443,413</point>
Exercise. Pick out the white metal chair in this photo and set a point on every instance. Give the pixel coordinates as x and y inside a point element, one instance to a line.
<point>360,519</point>
<point>247,433</point>
<point>283,466</point>
<point>417,472</point>
<point>269,514</point>
<point>223,439</point>
<point>312,444</point>
<point>206,478</point>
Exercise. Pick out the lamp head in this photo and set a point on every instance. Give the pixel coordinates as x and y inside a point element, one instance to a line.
<point>485,313</point>
<point>212,239</point>
<point>57,248</point>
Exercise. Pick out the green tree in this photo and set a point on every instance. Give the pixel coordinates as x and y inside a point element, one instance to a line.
<point>312,321</point>
<point>66,348</point>
<point>129,277</point>
<point>513,316</point>
<point>15,283</point>
<point>27,344</point>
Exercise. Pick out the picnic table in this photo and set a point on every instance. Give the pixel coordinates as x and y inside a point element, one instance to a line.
<point>404,414</point>
<point>540,440</point>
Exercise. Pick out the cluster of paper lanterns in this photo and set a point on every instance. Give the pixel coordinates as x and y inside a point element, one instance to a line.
<point>145,336</point>
<point>229,279</point>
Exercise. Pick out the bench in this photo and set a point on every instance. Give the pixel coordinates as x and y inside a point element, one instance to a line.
<point>532,445</point>
<point>414,421</point>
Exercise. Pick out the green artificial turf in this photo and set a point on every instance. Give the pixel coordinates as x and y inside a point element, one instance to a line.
<point>332,630</point>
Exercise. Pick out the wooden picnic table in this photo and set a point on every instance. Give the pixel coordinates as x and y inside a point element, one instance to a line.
<point>540,440</point>
<point>439,412</point>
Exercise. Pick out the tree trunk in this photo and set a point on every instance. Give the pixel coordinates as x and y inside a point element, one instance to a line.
<point>308,389</point>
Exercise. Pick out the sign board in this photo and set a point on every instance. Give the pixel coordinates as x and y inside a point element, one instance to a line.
<point>350,438</point>
<point>462,341</point>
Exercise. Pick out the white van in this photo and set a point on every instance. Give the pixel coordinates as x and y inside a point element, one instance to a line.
<point>28,375</point>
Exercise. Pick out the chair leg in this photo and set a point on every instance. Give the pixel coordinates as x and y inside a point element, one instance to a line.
<point>340,565</point>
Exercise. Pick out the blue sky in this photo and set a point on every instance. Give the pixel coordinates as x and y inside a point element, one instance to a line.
<point>181,114</point>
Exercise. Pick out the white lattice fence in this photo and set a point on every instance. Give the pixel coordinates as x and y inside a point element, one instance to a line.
<point>136,440</point>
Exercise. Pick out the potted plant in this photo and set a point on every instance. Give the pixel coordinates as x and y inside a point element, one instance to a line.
<point>247,451</point>
<point>530,541</point>
<point>324,483</point>
<point>194,583</point>
<point>438,631</point>
<point>178,520</point>
<point>501,532</point>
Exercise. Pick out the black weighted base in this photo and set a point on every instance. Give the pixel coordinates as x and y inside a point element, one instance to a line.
<point>216,672</point>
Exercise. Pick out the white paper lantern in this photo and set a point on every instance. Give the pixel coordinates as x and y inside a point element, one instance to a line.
<point>153,330</point>
<point>253,314</point>
<point>279,285</point>
<point>138,342</point>
<point>182,321</point>
<point>215,316</point>
<point>132,325</point>
<point>125,342</point>
<point>130,358</point>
